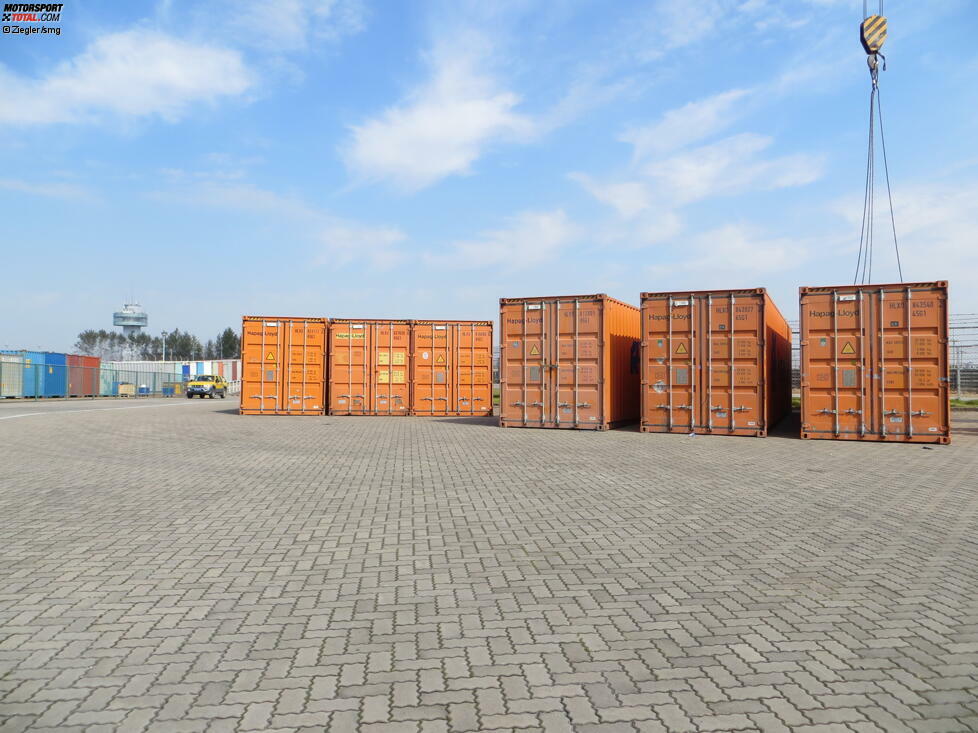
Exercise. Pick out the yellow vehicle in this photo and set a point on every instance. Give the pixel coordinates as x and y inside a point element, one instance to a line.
<point>207,385</point>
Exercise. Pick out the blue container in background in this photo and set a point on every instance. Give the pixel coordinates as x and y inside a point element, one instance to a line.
<point>33,373</point>
<point>55,379</point>
<point>186,372</point>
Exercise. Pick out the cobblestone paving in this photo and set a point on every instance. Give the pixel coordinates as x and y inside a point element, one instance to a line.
<point>188,569</point>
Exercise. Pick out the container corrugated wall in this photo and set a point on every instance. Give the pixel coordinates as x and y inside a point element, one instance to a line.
<point>33,373</point>
<point>55,374</point>
<point>283,365</point>
<point>369,363</point>
<point>874,362</point>
<point>83,375</point>
<point>11,374</point>
<point>569,362</point>
<point>714,362</point>
<point>451,368</point>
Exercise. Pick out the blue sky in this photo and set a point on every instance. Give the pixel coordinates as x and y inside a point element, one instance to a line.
<point>420,160</point>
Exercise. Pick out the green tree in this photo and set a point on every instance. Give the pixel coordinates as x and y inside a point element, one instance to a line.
<point>228,344</point>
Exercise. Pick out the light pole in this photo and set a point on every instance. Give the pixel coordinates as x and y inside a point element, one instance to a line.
<point>164,345</point>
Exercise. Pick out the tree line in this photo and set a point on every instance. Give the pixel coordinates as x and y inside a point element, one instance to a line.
<point>180,345</point>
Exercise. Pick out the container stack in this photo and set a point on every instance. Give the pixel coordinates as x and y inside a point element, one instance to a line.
<point>311,366</point>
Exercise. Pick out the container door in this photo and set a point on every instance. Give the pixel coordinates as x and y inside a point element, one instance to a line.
<point>839,391</point>
<point>391,389</point>
<point>912,348</point>
<point>669,379</point>
<point>304,385</point>
<point>472,372</point>
<point>434,364</point>
<point>262,359</point>
<point>576,363</point>
<point>524,400</point>
<point>348,369</point>
<point>730,372</point>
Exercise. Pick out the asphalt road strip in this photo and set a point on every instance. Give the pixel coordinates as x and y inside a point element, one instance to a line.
<point>94,409</point>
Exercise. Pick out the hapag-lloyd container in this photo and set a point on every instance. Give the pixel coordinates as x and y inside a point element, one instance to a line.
<point>569,362</point>
<point>714,362</point>
<point>283,361</point>
<point>369,362</point>
<point>874,362</point>
<point>83,375</point>
<point>451,368</point>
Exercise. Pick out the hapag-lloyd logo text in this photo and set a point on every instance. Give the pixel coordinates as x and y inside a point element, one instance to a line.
<point>32,12</point>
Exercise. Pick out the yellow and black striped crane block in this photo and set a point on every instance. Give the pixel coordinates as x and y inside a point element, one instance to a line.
<point>872,33</point>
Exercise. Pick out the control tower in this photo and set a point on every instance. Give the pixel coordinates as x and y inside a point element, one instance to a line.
<point>132,318</point>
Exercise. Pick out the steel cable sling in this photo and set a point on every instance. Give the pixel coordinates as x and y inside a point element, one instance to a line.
<point>873,32</point>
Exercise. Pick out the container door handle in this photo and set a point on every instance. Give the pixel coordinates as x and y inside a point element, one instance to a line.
<point>919,413</point>
<point>583,404</point>
<point>563,404</point>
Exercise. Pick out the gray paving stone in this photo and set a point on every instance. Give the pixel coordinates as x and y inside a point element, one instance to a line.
<point>436,575</point>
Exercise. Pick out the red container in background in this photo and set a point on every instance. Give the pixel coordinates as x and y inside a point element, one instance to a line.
<point>83,375</point>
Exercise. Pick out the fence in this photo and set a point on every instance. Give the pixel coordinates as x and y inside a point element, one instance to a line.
<point>36,381</point>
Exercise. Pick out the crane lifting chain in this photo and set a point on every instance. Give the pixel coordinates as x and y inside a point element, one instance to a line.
<point>872,34</point>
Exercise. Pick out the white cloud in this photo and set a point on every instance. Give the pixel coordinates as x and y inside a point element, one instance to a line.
<point>730,166</point>
<point>344,242</point>
<point>441,128</point>
<point>287,25</point>
<point>135,73</point>
<point>936,225</point>
<point>335,242</point>
<point>68,191</point>
<point>686,124</point>
<point>736,248</point>
<point>628,198</point>
<point>682,23</point>
<point>532,238</point>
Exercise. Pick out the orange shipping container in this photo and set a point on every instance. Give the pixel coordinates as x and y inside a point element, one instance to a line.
<point>282,361</point>
<point>714,362</point>
<point>369,367</point>
<point>569,362</point>
<point>451,368</point>
<point>874,363</point>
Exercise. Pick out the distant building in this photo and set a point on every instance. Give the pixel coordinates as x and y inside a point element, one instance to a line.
<point>132,318</point>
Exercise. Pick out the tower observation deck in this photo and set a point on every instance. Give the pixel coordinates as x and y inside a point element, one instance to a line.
<point>132,318</point>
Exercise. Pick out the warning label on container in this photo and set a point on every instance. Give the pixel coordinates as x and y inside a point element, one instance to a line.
<point>681,349</point>
<point>440,359</point>
<point>847,349</point>
<point>534,351</point>
<point>270,356</point>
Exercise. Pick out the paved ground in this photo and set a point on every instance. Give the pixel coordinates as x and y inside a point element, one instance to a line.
<point>178,567</point>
